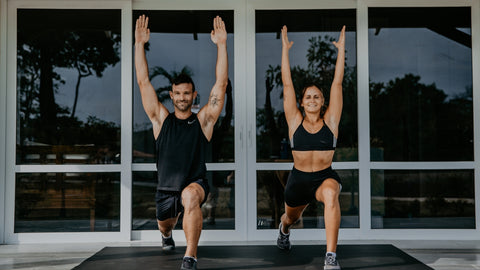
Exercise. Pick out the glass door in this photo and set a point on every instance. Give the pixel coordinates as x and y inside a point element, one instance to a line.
<point>66,163</point>
<point>312,59</point>
<point>180,43</point>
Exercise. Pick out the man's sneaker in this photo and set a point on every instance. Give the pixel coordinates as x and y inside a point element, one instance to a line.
<point>168,243</point>
<point>331,262</point>
<point>189,263</point>
<point>283,241</point>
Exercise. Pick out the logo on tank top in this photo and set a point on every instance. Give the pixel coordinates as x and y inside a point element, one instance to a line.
<point>191,122</point>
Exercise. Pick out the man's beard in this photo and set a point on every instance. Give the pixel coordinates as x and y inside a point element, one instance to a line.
<point>182,106</point>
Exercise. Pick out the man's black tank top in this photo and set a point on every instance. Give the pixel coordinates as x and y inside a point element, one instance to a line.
<point>181,149</point>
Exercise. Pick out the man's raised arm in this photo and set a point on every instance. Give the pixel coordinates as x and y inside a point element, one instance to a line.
<point>209,114</point>
<point>155,110</point>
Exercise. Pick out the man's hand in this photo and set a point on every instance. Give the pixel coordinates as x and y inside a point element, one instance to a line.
<point>285,43</point>
<point>142,33</point>
<point>219,33</point>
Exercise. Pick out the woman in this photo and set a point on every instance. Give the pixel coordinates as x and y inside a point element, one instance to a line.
<point>313,136</point>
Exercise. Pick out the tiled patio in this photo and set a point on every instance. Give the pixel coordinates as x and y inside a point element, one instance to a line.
<point>441,255</point>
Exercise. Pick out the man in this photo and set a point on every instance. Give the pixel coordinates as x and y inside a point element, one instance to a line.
<point>181,138</point>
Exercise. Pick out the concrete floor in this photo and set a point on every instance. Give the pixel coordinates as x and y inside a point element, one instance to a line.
<point>441,255</point>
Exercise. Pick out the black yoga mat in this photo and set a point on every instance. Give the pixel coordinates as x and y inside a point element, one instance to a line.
<point>365,257</point>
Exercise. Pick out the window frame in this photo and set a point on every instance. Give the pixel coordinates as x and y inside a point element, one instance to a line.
<point>367,165</point>
<point>239,164</point>
<point>304,234</point>
<point>245,166</point>
<point>123,168</point>
<point>364,165</point>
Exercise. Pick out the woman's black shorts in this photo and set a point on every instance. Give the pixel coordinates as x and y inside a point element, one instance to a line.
<point>301,186</point>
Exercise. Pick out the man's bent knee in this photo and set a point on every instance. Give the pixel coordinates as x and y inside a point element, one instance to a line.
<point>166,226</point>
<point>192,196</point>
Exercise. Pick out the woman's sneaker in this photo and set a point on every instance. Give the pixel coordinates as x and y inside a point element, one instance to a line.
<point>283,241</point>
<point>189,263</point>
<point>168,243</point>
<point>331,262</point>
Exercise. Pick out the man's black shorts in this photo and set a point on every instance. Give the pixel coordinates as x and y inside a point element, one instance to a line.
<point>169,203</point>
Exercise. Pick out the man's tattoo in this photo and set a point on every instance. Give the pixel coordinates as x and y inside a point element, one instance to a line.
<point>213,100</point>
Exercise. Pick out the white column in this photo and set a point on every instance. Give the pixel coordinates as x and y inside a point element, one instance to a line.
<point>10,129</point>
<point>363,118</point>
<point>126,126</point>
<point>476,104</point>
<point>250,131</point>
<point>3,110</point>
<point>240,105</point>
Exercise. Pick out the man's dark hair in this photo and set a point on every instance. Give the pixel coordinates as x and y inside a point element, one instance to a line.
<point>183,78</point>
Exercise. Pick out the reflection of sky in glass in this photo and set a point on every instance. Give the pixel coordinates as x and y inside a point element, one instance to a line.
<point>175,51</point>
<point>269,52</point>
<point>393,53</point>
<point>99,97</point>
<point>435,58</point>
<point>465,30</point>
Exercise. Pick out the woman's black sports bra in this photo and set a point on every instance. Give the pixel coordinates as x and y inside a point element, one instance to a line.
<point>323,140</point>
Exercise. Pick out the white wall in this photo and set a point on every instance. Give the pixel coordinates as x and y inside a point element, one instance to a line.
<point>245,151</point>
<point>3,114</point>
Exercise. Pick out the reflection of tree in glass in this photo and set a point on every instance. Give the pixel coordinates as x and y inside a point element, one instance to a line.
<point>89,53</point>
<point>222,138</point>
<point>321,57</point>
<point>267,123</point>
<point>38,54</point>
<point>411,121</point>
